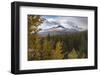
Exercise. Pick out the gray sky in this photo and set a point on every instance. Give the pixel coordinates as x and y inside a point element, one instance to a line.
<point>66,21</point>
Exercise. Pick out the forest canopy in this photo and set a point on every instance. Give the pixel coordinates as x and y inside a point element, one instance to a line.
<point>64,46</point>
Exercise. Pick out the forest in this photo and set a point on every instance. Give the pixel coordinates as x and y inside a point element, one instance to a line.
<point>65,46</point>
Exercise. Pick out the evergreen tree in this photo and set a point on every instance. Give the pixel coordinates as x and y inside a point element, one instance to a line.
<point>48,37</point>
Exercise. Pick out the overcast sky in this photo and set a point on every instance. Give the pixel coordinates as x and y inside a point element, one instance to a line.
<point>66,21</point>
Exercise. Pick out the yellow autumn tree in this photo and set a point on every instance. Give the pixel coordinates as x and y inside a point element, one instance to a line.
<point>34,22</point>
<point>57,52</point>
<point>73,54</point>
<point>46,49</point>
<point>37,49</point>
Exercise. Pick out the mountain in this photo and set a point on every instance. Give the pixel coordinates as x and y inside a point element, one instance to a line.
<point>58,30</point>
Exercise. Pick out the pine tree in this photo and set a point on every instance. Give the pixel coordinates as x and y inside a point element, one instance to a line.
<point>48,37</point>
<point>57,52</point>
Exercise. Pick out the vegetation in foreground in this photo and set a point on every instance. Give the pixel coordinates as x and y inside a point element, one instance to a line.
<point>66,46</point>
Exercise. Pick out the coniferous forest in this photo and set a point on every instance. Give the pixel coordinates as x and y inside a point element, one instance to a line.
<point>64,46</point>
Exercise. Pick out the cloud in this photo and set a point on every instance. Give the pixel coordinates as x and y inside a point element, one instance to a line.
<point>66,21</point>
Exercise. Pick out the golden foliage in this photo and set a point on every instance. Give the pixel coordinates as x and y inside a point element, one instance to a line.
<point>57,53</point>
<point>73,54</point>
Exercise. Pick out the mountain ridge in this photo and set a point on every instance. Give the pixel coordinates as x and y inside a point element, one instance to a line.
<point>58,30</point>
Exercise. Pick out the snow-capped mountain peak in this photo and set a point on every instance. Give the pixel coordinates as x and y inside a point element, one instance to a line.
<point>58,28</point>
